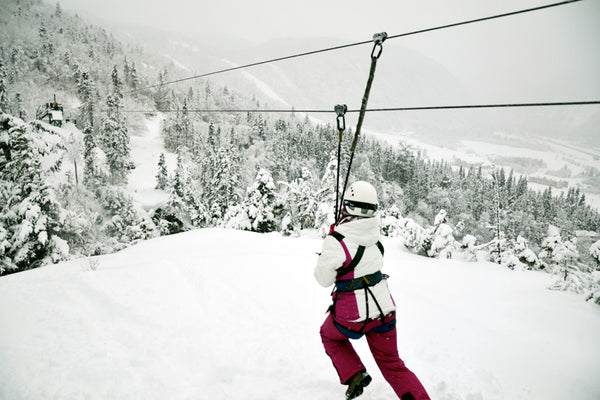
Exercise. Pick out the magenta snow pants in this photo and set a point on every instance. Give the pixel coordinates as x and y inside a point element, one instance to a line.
<point>385,352</point>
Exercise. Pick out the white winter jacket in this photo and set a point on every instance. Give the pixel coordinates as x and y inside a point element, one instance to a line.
<point>352,306</point>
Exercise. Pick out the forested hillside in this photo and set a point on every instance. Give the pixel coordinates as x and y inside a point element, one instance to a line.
<point>62,191</point>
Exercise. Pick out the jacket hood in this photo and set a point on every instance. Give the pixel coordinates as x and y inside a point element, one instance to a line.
<point>363,231</point>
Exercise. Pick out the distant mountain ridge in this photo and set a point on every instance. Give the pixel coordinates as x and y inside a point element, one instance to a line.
<point>404,78</point>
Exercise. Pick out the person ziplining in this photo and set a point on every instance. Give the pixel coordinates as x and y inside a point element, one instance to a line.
<point>351,258</point>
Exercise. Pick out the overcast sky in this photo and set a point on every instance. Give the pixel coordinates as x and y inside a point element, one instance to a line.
<point>263,19</point>
<point>559,44</point>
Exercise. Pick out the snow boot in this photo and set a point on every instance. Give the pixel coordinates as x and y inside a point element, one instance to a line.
<point>356,385</point>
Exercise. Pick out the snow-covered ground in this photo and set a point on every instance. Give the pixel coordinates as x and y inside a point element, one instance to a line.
<point>222,314</point>
<point>146,147</point>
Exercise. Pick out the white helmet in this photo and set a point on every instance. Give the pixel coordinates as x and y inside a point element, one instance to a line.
<point>360,200</point>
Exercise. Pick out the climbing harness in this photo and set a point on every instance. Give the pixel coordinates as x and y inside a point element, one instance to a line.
<point>350,285</point>
<point>378,40</point>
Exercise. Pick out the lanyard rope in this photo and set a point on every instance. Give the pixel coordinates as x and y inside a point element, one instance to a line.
<point>378,39</point>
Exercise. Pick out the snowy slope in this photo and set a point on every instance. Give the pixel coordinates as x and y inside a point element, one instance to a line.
<point>220,314</point>
<point>146,147</point>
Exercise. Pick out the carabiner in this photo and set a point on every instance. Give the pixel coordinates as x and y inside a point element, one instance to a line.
<point>378,39</point>
<point>340,110</point>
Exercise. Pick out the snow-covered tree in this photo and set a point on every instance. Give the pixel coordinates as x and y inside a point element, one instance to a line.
<point>555,252</point>
<point>390,222</point>
<point>95,168</point>
<point>114,138</point>
<point>30,215</point>
<point>261,206</point>
<point>469,247</point>
<point>595,253</point>
<point>162,176</point>
<point>560,258</point>
<point>301,201</point>
<point>443,242</point>
<point>219,177</point>
<point>124,220</point>
<point>413,234</point>
<point>161,96</point>
<point>525,254</point>
<point>86,89</point>
<point>324,217</point>
<point>3,88</point>
<point>134,79</point>
<point>594,290</point>
<point>262,202</point>
<point>74,148</point>
<point>185,208</point>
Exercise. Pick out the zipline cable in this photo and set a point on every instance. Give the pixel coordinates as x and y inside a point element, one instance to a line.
<point>547,6</point>
<point>387,109</point>
<point>308,53</point>
<point>472,21</point>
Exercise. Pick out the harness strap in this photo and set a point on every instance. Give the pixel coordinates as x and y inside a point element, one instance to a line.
<point>350,285</point>
<point>376,302</point>
<point>352,334</point>
<point>352,262</point>
<point>380,247</point>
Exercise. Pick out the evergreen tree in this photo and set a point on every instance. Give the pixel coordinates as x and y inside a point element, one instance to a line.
<point>115,138</point>
<point>117,84</point>
<point>219,179</point>
<point>213,140</point>
<point>178,184</point>
<point>595,253</point>
<point>95,172</point>
<point>3,88</point>
<point>85,89</point>
<point>161,96</point>
<point>162,177</point>
<point>134,79</point>
<point>89,169</point>
<point>261,203</point>
<point>30,216</point>
<point>186,127</point>
<point>301,201</point>
<point>443,243</point>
